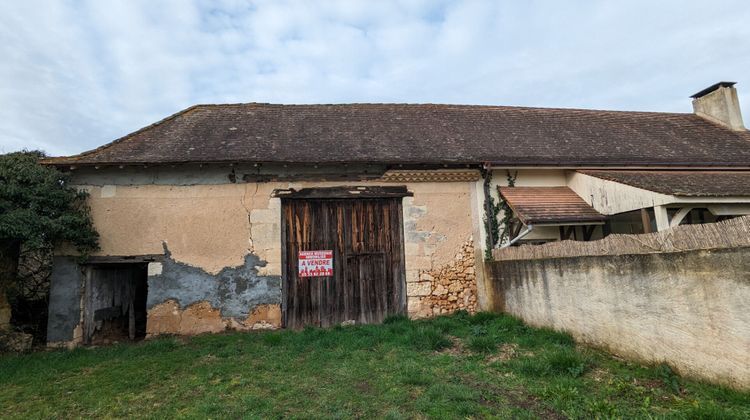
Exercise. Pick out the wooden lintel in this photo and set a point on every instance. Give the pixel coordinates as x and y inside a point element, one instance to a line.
<point>343,192</point>
<point>119,259</point>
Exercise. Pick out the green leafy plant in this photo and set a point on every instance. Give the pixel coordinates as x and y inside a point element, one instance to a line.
<point>482,344</point>
<point>493,226</point>
<point>497,229</point>
<point>39,209</point>
<point>668,377</point>
<point>506,210</point>
<point>429,338</point>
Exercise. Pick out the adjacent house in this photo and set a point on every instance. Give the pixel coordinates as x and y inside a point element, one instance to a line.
<point>249,216</point>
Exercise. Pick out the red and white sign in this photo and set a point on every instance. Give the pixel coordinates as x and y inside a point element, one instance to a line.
<point>315,263</point>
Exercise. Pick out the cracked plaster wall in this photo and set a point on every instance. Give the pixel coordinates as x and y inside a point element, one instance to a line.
<point>235,228</point>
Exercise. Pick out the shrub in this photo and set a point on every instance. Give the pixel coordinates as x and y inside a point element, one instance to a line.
<point>272,339</point>
<point>668,377</point>
<point>396,319</point>
<point>559,362</point>
<point>428,338</point>
<point>447,323</point>
<point>544,337</point>
<point>482,344</point>
<point>483,318</point>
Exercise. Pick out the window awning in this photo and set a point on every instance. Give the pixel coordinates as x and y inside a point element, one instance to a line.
<point>550,206</point>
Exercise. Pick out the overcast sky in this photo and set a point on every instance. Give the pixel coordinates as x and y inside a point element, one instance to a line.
<point>77,74</point>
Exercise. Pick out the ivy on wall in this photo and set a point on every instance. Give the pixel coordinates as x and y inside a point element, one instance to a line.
<point>492,225</point>
<point>507,212</point>
<point>496,235</point>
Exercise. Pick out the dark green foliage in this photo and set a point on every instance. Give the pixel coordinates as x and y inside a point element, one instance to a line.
<point>38,210</point>
<point>710,411</point>
<point>427,337</point>
<point>505,208</point>
<point>483,317</point>
<point>37,206</point>
<point>668,377</point>
<point>394,319</point>
<point>496,235</point>
<point>545,337</point>
<point>272,339</point>
<point>557,362</point>
<point>492,224</point>
<point>482,344</point>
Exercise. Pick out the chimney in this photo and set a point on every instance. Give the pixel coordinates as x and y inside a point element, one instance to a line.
<point>719,103</point>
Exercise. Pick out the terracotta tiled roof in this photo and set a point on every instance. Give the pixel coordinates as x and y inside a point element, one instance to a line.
<point>683,183</point>
<point>425,134</point>
<point>549,205</point>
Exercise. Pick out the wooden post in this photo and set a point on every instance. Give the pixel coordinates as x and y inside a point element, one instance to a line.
<point>662,218</point>
<point>131,321</point>
<point>88,314</point>
<point>646,220</point>
<point>677,218</point>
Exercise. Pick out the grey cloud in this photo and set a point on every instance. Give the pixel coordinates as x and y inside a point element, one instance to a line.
<point>77,75</point>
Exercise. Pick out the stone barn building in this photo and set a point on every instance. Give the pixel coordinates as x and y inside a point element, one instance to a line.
<point>252,216</point>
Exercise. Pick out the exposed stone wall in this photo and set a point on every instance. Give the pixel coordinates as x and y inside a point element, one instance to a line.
<point>689,309</point>
<point>200,317</point>
<point>450,287</point>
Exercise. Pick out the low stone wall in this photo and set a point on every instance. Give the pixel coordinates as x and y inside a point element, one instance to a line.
<point>689,309</point>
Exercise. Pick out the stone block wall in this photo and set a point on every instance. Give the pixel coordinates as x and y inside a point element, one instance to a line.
<point>447,288</point>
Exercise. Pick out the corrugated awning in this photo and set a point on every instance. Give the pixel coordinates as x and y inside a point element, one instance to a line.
<point>549,206</point>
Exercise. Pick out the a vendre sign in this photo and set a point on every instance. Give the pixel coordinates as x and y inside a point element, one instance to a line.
<point>315,263</point>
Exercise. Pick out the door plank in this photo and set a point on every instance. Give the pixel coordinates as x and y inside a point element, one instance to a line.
<point>366,237</point>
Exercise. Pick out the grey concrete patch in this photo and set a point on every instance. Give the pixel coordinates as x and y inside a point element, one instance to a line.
<point>64,299</point>
<point>235,291</point>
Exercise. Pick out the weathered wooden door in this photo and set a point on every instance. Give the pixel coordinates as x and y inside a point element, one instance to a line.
<point>366,237</point>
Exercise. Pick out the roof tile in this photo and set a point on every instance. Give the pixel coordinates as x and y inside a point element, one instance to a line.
<point>419,134</point>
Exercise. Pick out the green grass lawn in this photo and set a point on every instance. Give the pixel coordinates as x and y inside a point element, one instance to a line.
<point>449,367</point>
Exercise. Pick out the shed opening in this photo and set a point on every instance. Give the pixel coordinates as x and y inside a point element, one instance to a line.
<point>114,302</point>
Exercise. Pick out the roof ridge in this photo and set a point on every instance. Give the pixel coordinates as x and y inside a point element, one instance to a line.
<point>447,105</point>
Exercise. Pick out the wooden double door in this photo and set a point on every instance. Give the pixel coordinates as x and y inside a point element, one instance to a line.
<point>367,280</point>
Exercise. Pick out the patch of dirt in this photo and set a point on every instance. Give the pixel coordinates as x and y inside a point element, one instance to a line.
<point>600,375</point>
<point>507,352</point>
<point>181,339</point>
<point>648,383</point>
<point>532,404</point>
<point>516,397</point>
<point>457,349</point>
<point>363,387</point>
<point>209,358</point>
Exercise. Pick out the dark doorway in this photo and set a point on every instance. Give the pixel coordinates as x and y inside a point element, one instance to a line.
<point>363,281</point>
<point>114,303</point>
